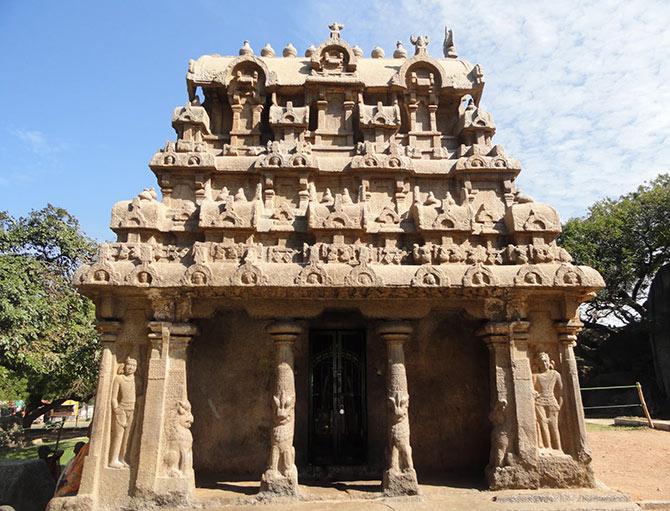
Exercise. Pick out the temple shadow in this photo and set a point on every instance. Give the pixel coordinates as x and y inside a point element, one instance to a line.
<point>345,486</point>
<point>240,486</point>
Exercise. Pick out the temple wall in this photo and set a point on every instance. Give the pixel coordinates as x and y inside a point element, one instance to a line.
<point>230,381</point>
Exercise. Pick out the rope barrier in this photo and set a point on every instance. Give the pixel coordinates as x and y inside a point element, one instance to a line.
<point>641,401</point>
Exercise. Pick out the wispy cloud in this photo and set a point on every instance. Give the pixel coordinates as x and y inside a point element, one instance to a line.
<point>28,154</point>
<point>579,90</point>
<point>36,141</point>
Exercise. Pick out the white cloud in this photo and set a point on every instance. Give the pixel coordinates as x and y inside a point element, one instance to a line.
<point>579,90</point>
<point>35,141</point>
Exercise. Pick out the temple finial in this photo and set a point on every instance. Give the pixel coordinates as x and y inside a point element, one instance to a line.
<point>448,47</point>
<point>420,44</point>
<point>335,28</point>
<point>400,51</point>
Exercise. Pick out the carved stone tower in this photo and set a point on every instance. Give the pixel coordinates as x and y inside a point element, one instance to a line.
<point>305,199</point>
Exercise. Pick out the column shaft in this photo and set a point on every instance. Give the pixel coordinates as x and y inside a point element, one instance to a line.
<point>96,458</point>
<point>400,476</point>
<point>567,336</point>
<point>281,476</point>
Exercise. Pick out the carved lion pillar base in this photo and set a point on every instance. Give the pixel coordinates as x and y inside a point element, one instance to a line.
<point>400,477</point>
<point>281,476</point>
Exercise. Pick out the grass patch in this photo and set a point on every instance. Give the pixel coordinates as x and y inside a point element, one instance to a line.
<point>30,452</point>
<point>595,426</point>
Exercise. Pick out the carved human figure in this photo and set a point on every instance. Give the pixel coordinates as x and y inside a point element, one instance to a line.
<point>500,434</point>
<point>282,452</point>
<point>123,410</point>
<point>401,451</point>
<point>548,389</point>
<point>178,452</point>
<point>198,278</point>
<point>101,276</point>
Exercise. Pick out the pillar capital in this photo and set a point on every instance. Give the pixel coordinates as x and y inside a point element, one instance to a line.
<point>395,331</point>
<point>284,330</point>
<point>568,330</point>
<point>109,330</point>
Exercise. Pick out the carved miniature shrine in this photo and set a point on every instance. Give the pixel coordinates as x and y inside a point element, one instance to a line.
<point>338,256</point>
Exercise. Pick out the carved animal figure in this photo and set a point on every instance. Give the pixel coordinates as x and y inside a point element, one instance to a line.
<point>499,435</point>
<point>400,450</point>
<point>179,440</point>
<point>282,454</point>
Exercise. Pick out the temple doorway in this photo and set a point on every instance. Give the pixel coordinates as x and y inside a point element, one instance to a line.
<point>337,398</point>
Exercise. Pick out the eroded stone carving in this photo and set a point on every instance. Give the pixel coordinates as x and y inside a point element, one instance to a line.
<point>548,389</point>
<point>500,434</point>
<point>400,476</point>
<point>123,413</point>
<point>428,276</point>
<point>179,440</point>
<point>401,451</point>
<point>281,476</point>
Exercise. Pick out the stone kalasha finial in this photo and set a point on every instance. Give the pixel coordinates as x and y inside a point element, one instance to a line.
<point>400,51</point>
<point>335,28</point>
<point>267,51</point>
<point>246,49</point>
<point>358,51</point>
<point>310,51</point>
<point>289,51</point>
<point>420,44</point>
<point>377,53</point>
<point>448,47</point>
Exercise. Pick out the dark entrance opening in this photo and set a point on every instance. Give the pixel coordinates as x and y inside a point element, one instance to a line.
<point>337,408</point>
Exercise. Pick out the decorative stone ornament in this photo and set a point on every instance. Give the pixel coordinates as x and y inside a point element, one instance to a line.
<point>400,52</point>
<point>359,198</point>
<point>267,51</point>
<point>289,51</point>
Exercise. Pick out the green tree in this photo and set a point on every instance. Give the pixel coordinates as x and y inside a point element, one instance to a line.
<point>627,240</point>
<point>47,329</point>
<point>12,386</point>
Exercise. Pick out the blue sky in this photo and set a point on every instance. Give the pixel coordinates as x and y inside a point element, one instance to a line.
<point>580,93</point>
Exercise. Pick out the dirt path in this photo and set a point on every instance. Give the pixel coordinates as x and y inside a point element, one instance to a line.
<point>634,461</point>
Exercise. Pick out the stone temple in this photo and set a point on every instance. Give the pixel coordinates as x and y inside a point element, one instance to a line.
<point>339,279</point>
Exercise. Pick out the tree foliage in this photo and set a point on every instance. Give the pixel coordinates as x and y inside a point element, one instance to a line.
<point>47,329</point>
<point>627,240</point>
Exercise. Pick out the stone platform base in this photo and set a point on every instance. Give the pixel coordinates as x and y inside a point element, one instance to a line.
<point>277,484</point>
<point>397,484</point>
<point>551,471</point>
<point>365,495</point>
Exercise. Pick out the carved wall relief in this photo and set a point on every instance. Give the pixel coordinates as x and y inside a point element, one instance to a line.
<point>178,454</point>
<point>548,392</point>
<point>500,434</point>
<point>124,396</point>
<point>401,451</point>
<point>281,476</point>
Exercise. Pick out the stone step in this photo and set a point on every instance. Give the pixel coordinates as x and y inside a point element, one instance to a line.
<point>577,500</point>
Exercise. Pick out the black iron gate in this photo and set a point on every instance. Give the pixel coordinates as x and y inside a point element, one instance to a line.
<point>337,426</point>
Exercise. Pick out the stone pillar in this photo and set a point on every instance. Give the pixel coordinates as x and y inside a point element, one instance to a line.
<point>496,337</point>
<point>524,400</point>
<point>97,454</point>
<point>165,462</point>
<point>514,455</point>
<point>574,410</point>
<point>281,476</point>
<point>400,476</point>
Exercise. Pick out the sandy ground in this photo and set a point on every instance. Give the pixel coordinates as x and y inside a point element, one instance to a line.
<point>634,461</point>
